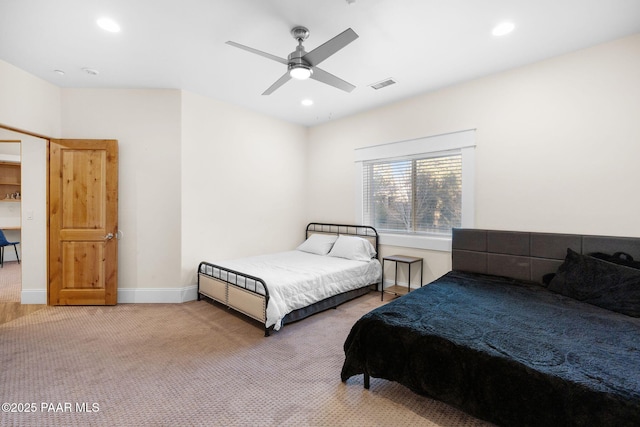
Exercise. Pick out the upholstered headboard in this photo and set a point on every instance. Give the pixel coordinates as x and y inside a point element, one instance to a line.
<point>527,255</point>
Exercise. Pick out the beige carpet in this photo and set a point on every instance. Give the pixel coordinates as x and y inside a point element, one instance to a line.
<point>195,364</point>
<point>10,285</point>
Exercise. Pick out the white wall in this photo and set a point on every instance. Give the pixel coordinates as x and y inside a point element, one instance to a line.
<point>28,103</point>
<point>243,183</point>
<point>558,144</point>
<point>34,220</point>
<point>146,124</point>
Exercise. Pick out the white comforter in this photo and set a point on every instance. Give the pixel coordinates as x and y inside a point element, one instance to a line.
<point>297,279</point>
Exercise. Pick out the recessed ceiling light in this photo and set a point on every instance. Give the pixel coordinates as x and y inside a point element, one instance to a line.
<point>307,102</point>
<point>503,29</point>
<point>59,72</point>
<point>108,24</point>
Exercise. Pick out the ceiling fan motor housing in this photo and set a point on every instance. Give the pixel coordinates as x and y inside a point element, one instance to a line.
<point>295,58</point>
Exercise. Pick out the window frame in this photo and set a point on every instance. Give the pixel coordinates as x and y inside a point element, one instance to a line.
<point>462,142</point>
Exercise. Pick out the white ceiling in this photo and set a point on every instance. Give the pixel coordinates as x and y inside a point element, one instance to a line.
<point>422,44</point>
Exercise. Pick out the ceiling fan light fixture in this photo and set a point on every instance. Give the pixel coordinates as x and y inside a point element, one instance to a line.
<point>300,72</point>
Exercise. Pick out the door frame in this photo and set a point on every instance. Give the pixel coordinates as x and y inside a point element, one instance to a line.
<point>47,189</point>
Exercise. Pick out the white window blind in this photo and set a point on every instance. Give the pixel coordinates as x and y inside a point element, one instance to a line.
<point>422,194</point>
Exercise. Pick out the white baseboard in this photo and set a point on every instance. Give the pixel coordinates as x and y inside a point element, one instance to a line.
<point>128,295</point>
<point>33,296</point>
<point>156,295</point>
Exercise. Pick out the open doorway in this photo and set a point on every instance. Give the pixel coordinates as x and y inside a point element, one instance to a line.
<point>11,226</point>
<point>31,225</point>
<point>10,221</point>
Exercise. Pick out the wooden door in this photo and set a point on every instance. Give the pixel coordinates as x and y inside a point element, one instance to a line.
<point>83,222</point>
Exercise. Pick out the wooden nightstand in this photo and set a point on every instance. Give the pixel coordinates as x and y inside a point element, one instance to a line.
<point>398,289</point>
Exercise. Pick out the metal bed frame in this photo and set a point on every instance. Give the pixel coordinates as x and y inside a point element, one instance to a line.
<point>249,295</point>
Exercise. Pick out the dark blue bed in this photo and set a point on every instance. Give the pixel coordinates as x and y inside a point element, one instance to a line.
<point>510,350</point>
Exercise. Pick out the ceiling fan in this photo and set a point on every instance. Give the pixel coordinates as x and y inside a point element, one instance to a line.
<point>302,65</point>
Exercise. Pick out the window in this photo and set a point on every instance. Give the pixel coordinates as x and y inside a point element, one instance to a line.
<point>414,192</point>
<point>421,195</point>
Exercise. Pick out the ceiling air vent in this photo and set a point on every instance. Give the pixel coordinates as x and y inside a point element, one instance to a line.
<point>383,83</point>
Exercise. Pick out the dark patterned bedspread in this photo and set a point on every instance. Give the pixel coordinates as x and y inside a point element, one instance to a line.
<point>509,352</point>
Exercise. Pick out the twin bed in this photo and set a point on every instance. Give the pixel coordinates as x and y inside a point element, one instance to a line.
<point>529,329</point>
<point>334,264</point>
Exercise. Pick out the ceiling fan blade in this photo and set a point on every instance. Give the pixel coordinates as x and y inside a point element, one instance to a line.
<point>258,52</point>
<point>328,78</point>
<point>327,49</point>
<point>282,80</point>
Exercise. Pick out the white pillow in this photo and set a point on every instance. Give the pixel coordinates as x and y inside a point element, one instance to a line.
<point>319,244</point>
<point>351,247</point>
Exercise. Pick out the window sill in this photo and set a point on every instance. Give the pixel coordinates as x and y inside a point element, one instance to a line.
<point>418,242</point>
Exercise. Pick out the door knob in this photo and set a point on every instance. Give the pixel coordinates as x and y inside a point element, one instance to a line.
<point>108,236</point>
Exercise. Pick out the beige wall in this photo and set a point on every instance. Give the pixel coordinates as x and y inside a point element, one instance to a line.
<point>243,183</point>
<point>146,124</point>
<point>557,145</point>
<point>28,103</point>
<point>34,219</point>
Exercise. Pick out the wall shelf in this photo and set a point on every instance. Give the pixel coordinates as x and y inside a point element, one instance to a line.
<point>10,180</point>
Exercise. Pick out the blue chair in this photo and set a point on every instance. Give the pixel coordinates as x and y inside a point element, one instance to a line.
<point>4,242</point>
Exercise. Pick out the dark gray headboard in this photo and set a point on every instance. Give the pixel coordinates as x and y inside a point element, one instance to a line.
<point>527,255</point>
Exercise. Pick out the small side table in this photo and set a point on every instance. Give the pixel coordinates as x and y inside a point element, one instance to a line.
<point>397,289</point>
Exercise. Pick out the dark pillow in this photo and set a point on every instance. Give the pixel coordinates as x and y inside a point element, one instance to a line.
<point>621,258</point>
<point>547,278</point>
<point>607,285</point>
